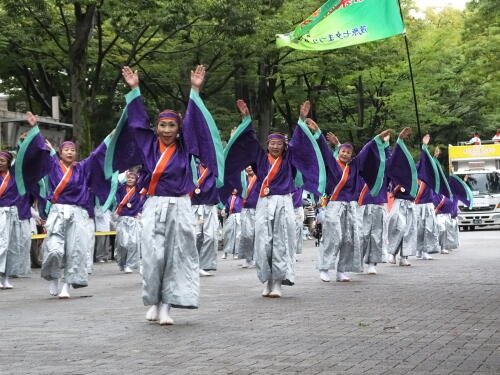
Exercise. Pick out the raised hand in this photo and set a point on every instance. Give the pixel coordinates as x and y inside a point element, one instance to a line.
<point>49,145</point>
<point>332,138</point>
<point>437,152</point>
<point>405,133</point>
<point>198,77</point>
<point>243,108</point>
<point>426,139</point>
<point>385,135</point>
<point>31,119</point>
<point>131,77</point>
<point>313,127</point>
<point>304,109</point>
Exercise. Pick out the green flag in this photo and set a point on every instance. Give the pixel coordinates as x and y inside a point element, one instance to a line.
<point>342,23</point>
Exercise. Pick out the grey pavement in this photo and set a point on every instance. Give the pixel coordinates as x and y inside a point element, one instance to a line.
<point>436,317</point>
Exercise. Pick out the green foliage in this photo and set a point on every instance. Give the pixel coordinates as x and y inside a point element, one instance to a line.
<point>356,91</point>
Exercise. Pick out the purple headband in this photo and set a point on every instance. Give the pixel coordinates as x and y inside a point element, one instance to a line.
<point>169,114</point>
<point>6,155</point>
<point>346,145</point>
<point>67,144</point>
<point>277,136</point>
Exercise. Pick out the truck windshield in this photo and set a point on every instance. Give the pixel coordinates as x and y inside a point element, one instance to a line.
<point>483,183</point>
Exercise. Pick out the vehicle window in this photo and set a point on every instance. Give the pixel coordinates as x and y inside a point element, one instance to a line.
<point>483,183</point>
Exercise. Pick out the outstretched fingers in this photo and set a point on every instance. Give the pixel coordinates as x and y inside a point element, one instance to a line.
<point>304,109</point>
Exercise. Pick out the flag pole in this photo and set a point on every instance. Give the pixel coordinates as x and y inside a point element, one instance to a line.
<point>411,76</point>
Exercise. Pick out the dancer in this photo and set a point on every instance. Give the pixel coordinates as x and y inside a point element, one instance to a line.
<point>341,232</point>
<point>429,183</point>
<point>169,256</point>
<point>250,195</point>
<point>204,200</point>
<point>299,220</point>
<point>232,225</point>
<point>128,223</point>
<point>275,224</point>
<point>402,226</point>
<point>72,186</point>
<point>373,221</point>
<point>16,180</point>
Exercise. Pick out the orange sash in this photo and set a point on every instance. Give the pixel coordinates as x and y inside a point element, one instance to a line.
<point>231,206</point>
<point>275,166</point>
<point>438,208</point>
<point>420,192</point>
<point>341,184</point>
<point>68,172</point>
<point>362,195</point>
<point>249,188</point>
<point>5,183</point>
<point>125,200</point>
<point>204,173</point>
<point>161,164</point>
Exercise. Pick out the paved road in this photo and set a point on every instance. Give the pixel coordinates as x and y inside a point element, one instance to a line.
<point>436,317</point>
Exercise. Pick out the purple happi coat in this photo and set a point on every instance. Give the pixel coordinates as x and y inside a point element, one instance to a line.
<point>134,142</point>
<point>344,181</point>
<point>302,154</point>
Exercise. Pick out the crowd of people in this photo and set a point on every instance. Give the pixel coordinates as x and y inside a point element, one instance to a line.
<point>164,187</point>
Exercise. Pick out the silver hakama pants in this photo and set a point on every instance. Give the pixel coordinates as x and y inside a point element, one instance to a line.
<point>452,224</point>
<point>90,227</point>
<point>127,242</point>
<point>402,230</point>
<point>373,229</point>
<point>275,239</point>
<point>427,229</point>
<point>448,237</point>
<point>169,255</point>
<point>65,248</point>
<point>341,238</point>
<point>207,237</point>
<point>299,225</point>
<point>247,239</point>
<point>15,241</point>
<point>232,234</point>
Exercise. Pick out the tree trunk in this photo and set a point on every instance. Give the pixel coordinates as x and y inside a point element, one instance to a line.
<point>78,74</point>
<point>264,103</point>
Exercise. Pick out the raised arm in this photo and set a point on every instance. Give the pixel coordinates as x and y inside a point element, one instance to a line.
<point>306,154</point>
<point>243,148</point>
<point>200,135</point>
<point>401,168</point>
<point>33,158</point>
<point>426,168</point>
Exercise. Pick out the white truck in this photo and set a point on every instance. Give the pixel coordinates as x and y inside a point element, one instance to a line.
<point>479,167</point>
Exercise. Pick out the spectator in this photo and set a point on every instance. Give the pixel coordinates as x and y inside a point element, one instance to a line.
<point>496,137</point>
<point>475,140</point>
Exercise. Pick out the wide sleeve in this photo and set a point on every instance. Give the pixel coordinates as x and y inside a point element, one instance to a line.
<point>461,190</point>
<point>306,157</point>
<point>32,161</point>
<point>444,187</point>
<point>242,149</point>
<point>201,137</point>
<point>402,170</point>
<point>427,170</point>
<point>94,167</point>
<point>371,162</point>
<point>333,170</point>
<point>132,138</point>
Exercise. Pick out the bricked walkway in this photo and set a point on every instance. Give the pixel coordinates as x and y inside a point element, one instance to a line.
<point>436,317</point>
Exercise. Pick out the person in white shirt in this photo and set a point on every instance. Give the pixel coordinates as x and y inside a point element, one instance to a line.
<point>496,137</point>
<point>475,140</point>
